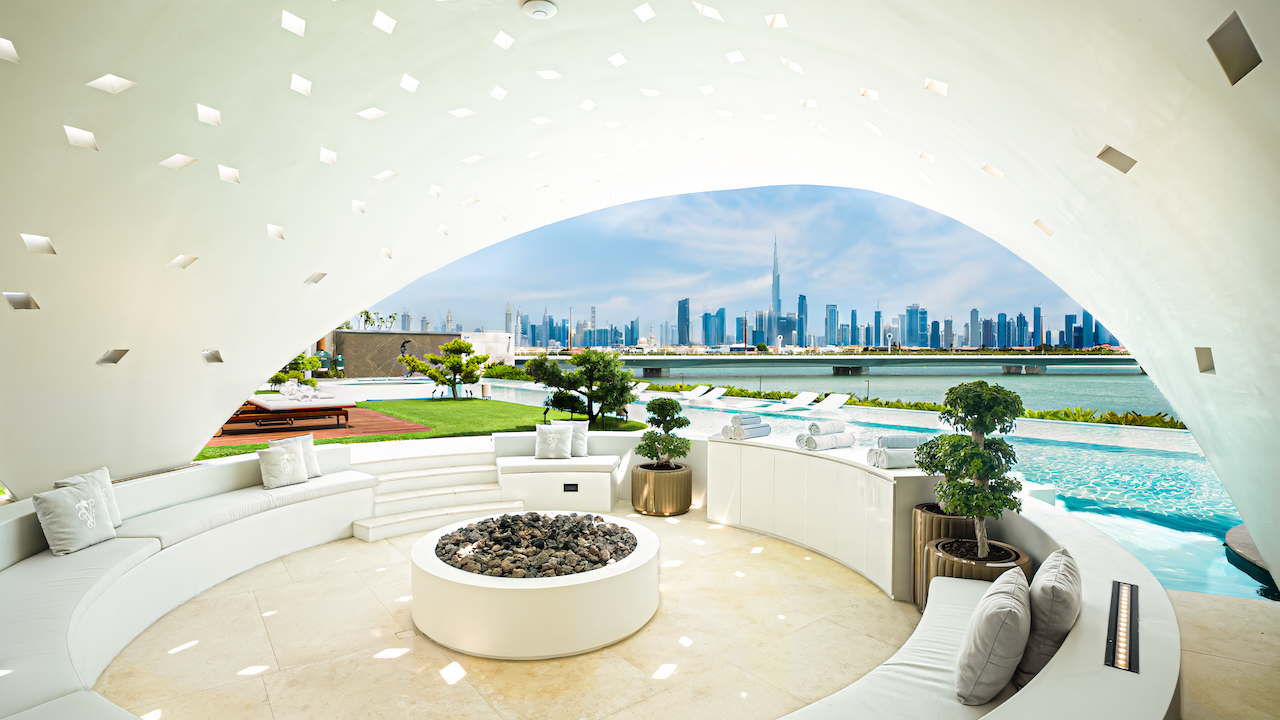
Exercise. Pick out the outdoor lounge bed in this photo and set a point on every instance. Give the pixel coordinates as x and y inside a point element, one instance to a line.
<point>272,413</point>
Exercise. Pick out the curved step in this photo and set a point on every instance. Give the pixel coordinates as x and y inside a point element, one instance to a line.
<point>436,497</point>
<point>385,526</point>
<point>436,477</point>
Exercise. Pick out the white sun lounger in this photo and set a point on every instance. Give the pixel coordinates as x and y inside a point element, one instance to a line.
<point>639,388</point>
<point>712,396</point>
<point>695,393</point>
<point>834,401</point>
<point>799,402</point>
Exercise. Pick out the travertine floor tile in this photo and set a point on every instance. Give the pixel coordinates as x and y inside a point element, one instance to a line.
<point>393,586</point>
<point>883,619</point>
<point>667,640</point>
<point>342,556</point>
<point>1214,688</point>
<point>229,636</point>
<point>244,700</point>
<point>404,543</point>
<point>325,618</point>
<point>725,692</point>
<point>1229,627</point>
<point>269,574</point>
<point>816,660</point>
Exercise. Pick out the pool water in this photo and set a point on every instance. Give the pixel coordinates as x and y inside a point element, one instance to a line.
<point>1148,489</point>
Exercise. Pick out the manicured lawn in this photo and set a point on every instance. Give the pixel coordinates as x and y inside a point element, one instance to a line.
<point>446,418</point>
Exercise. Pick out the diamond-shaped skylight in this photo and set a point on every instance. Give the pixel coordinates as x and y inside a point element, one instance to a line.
<point>38,244</point>
<point>472,160</point>
<point>462,112</point>
<point>792,65</point>
<point>588,105</point>
<point>935,86</point>
<point>385,175</point>
<point>81,138</point>
<point>177,162</point>
<point>1116,159</point>
<point>293,23</point>
<point>926,156</point>
<point>470,201</point>
<point>208,115</point>
<point>111,357</point>
<point>435,191</point>
<point>735,56</point>
<point>503,41</point>
<point>497,92</point>
<point>769,117</point>
<point>386,253</point>
<point>275,232</point>
<point>1044,228</point>
<point>211,357</point>
<point>617,60</point>
<point>706,89</point>
<point>228,174</point>
<point>540,120</point>
<point>810,103</point>
<point>502,216</point>
<point>927,179</point>
<point>820,129</point>
<point>359,206</point>
<point>775,21</point>
<point>182,262</point>
<point>707,11</point>
<point>644,12</point>
<point>314,278</point>
<point>328,156</point>
<point>300,85</point>
<point>372,113</point>
<point>992,171</point>
<point>872,128</point>
<point>8,52</point>
<point>111,83</point>
<point>548,74</point>
<point>725,114</point>
<point>21,301</point>
<point>383,22</point>
<point>614,125</point>
<point>444,230</point>
<point>650,93</point>
<point>869,93</point>
<point>409,83</point>
<point>535,154</point>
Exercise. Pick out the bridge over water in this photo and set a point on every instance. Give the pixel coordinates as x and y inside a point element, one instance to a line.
<point>661,365</point>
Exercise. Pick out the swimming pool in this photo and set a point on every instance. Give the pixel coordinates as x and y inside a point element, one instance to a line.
<point>1149,489</point>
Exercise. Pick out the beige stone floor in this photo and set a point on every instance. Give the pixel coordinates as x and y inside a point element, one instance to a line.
<point>1230,656</point>
<point>326,633</point>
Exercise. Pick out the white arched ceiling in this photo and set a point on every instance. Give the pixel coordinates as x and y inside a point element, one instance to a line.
<point>1178,253</point>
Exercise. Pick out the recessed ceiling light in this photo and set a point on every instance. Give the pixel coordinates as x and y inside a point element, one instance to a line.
<point>1044,228</point>
<point>435,191</point>
<point>110,357</point>
<point>645,13</point>
<point>443,230</point>
<point>38,244</point>
<point>617,60</point>
<point>821,129</point>
<point>1234,49</point>
<point>503,41</point>
<point>870,94</point>
<point>383,22</point>
<point>926,156</point>
<point>810,103</point>
<point>587,105</point>
<point>725,114</point>
<point>111,84</point>
<point>372,113</point>
<point>211,357</point>
<point>328,157</point>
<point>650,93</point>
<point>540,120</point>
<point>228,174</point>
<point>935,86</point>
<point>462,112</point>
<point>497,92</point>
<point>409,83</point>
<point>769,117</point>
<point>992,171</point>
<point>926,179</point>
<point>472,160</point>
<point>535,154</point>
<point>614,125</point>
<point>386,253</point>
<point>8,52</point>
<point>300,85</point>
<point>275,232</point>
<point>735,56</point>
<point>470,201</point>
<point>872,128</point>
<point>208,115</point>
<point>81,138</point>
<point>548,74</point>
<point>539,9</point>
<point>359,206</point>
<point>707,11</point>
<point>293,23</point>
<point>385,175</point>
<point>792,65</point>
<point>182,262</point>
<point>314,278</point>
<point>1116,159</point>
<point>707,89</point>
<point>177,162</point>
<point>775,21</point>
<point>22,301</point>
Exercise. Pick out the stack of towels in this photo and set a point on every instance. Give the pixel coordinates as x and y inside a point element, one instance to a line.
<point>825,435</point>
<point>744,427</point>
<point>893,452</point>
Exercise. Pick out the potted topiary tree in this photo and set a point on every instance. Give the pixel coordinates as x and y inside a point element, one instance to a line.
<point>458,365</point>
<point>975,485</point>
<point>663,487</point>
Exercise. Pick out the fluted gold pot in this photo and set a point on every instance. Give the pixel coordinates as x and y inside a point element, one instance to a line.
<point>928,522</point>
<point>944,564</point>
<point>661,492</point>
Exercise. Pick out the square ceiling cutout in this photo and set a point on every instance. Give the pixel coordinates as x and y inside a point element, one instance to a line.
<point>38,244</point>
<point>111,357</point>
<point>497,93</point>
<point>443,230</point>
<point>735,57</point>
<point>708,12</point>
<point>111,84</point>
<point>470,202</point>
<point>588,105</point>
<point>386,253</point>
<point>275,232</point>
<point>869,93</point>
<point>435,191</point>
<point>872,128</point>
<point>300,84</point>
<point>208,115</point>
<point>462,112</point>
<point>177,162</point>
<point>328,156</point>
<point>1043,227</point>
<point>927,179</point>
<point>725,114</point>
<point>293,23</point>
<point>548,74</point>
<point>810,103</point>
<point>992,171</point>
<point>935,86</point>
<point>21,301</point>
<point>409,83</point>
<point>707,89</point>
<point>1234,49</point>
<point>503,41</point>
<point>768,117</point>
<point>540,120</point>
<point>535,155</point>
<point>650,93</point>
<point>614,125</point>
<point>472,160</point>
<point>775,21</point>
<point>385,175</point>
<point>617,60</point>
<point>372,113</point>
<point>81,138</point>
<point>228,174</point>
<point>8,52</point>
<point>794,66</point>
<point>182,262</point>
<point>212,357</point>
<point>1116,159</point>
<point>314,278</point>
<point>645,13</point>
<point>359,206</point>
<point>383,22</point>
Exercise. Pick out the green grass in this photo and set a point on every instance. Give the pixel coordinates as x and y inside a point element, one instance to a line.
<point>446,418</point>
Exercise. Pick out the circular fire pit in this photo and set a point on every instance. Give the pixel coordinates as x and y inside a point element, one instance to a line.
<point>533,618</point>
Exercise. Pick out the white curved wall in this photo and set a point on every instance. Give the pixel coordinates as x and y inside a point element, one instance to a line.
<point>1174,255</point>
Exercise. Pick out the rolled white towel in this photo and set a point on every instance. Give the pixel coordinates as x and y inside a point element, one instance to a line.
<point>800,441</point>
<point>900,441</point>
<point>826,427</point>
<point>831,442</point>
<point>751,431</point>
<point>893,458</point>
<point>727,432</point>
<point>745,420</point>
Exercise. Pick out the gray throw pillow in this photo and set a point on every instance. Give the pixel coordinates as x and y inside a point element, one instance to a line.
<point>579,447</point>
<point>103,480</point>
<point>282,465</point>
<point>73,517</point>
<point>1055,605</point>
<point>554,442</point>
<point>308,452</point>
<point>995,640</point>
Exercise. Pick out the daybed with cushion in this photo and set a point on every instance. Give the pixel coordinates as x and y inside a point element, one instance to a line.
<point>549,484</point>
<point>63,618</point>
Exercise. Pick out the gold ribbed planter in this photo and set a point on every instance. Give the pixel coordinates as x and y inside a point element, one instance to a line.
<point>942,564</point>
<point>928,522</point>
<point>662,492</point>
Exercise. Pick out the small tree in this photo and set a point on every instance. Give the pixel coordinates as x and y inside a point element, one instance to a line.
<point>457,366</point>
<point>761,347</point>
<point>664,415</point>
<point>564,401</point>
<point>974,467</point>
<point>296,370</point>
<point>599,378</point>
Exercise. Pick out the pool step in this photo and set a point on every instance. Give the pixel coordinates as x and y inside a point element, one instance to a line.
<point>385,526</point>
<point>437,477</point>
<point>426,498</point>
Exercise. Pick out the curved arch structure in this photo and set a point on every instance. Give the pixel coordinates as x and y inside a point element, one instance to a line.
<point>281,178</point>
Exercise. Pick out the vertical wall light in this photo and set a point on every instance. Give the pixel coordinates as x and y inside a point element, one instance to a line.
<point>1122,627</point>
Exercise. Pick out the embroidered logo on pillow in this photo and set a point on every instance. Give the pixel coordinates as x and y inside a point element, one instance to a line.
<point>286,463</point>
<point>87,512</point>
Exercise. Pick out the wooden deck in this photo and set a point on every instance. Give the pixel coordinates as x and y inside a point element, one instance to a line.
<point>363,422</point>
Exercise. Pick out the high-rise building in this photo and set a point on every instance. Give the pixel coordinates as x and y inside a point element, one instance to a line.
<point>508,323</point>
<point>1086,322</point>
<point>1002,336</point>
<point>425,323</point>
<point>593,317</point>
<point>967,334</point>
<point>833,325</point>
<point>1023,339</point>
<point>948,336</point>
<point>935,335</point>
<point>988,333</point>
<point>682,322</point>
<point>900,337</point>
<point>741,331</point>
<point>844,335</point>
<point>1068,332</point>
<point>802,320</point>
<point>911,327</point>
<point>405,319</point>
<point>1037,326</point>
<point>923,337</point>
<point>853,328</point>
<point>448,322</point>
<point>775,300</point>
<point>721,327</point>
<point>877,339</point>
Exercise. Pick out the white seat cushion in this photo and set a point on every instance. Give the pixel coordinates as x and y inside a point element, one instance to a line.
<point>919,681</point>
<point>174,524</point>
<point>42,599</point>
<point>526,464</point>
<point>84,705</point>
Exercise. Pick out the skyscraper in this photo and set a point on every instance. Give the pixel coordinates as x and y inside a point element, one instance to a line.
<point>911,328</point>
<point>593,317</point>
<point>877,339</point>
<point>948,335</point>
<point>720,327</point>
<point>924,328</point>
<point>1022,339</point>
<point>775,301</point>
<point>682,322</point>
<point>1086,322</point>
<point>1069,331</point>
<point>935,335</point>
<point>975,329</point>
<point>448,322</point>
<point>988,333</point>
<point>832,328</point>
<point>425,323</point>
<point>1037,327</point>
<point>1002,336</point>
<point>853,328</point>
<point>508,324</point>
<point>802,320</point>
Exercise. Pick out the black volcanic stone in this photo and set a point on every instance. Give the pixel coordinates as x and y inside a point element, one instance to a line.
<point>533,545</point>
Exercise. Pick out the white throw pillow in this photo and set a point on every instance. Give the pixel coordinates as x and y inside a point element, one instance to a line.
<point>579,448</point>
<point>308,452</point>
<point>73,517</point>
<point>282,465</point>
<point>1055,605</point>
<point>555,442</point>
<point>103,480</point>
<point>996,638</point>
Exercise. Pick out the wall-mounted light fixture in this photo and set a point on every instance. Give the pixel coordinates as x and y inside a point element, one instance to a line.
<point>1122,627</point>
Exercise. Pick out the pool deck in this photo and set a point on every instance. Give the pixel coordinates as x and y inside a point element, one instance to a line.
<point>1230,655</point>
<point>363,422</point>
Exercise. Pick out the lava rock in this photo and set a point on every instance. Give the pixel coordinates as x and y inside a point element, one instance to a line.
<point>535,545</point>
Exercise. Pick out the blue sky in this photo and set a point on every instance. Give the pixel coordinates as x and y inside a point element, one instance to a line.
<point>852,248</point>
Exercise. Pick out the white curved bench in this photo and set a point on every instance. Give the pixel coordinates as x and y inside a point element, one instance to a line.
<point>63,619</point>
